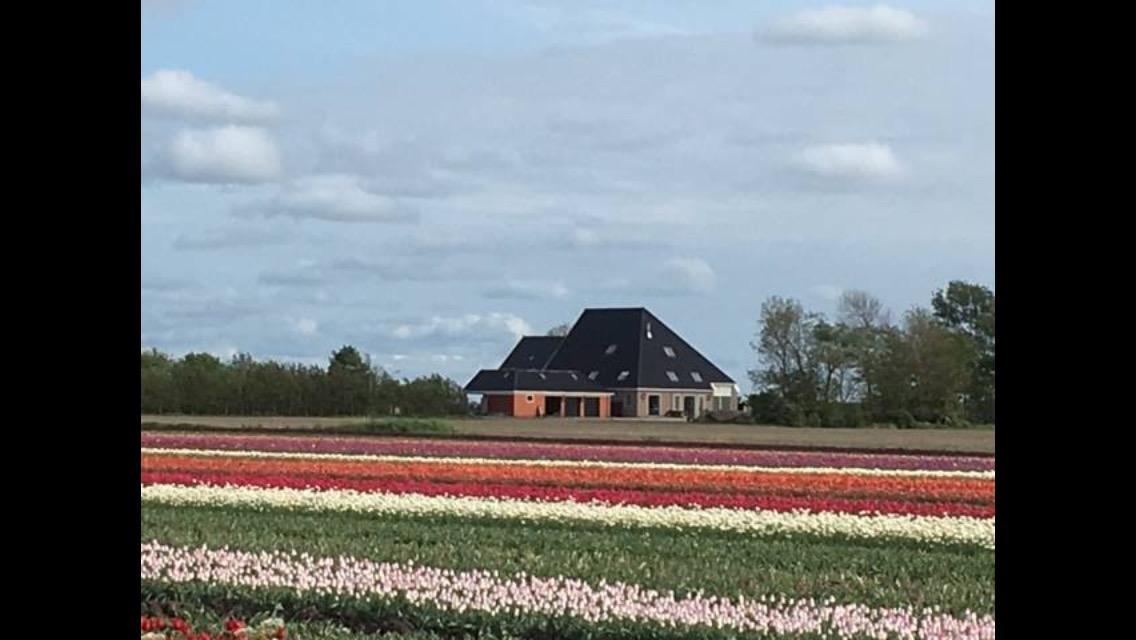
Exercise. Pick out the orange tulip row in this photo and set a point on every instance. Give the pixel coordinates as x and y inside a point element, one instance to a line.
<point>924,489</point>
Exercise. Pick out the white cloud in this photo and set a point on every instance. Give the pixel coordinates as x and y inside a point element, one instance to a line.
<point>335,198</point>
<point>690,275</point>
<point>305,326</point>
<point>848,25</point>
<point>223,155</point>
<point>179,94</point>
<point>467,325</point>
<point>871,160</point>
<point>528,290</point>
<point>678,277</point>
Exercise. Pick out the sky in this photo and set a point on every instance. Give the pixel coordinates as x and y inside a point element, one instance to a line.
<point>428,181</point>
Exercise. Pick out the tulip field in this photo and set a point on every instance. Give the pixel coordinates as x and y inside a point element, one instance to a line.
<point>358,537</point>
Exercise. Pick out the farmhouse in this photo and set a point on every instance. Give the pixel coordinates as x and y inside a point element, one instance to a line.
<point>613,363</point>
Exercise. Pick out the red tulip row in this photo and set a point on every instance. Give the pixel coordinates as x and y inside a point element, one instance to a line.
<point>546,493</point>
<point>978,491</point>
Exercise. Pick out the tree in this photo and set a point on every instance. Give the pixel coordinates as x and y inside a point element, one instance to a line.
<point>859,309</point>
<point>968,310</point>
<point>559,330</point>
<point>201,382</point>
<point>923,371</point>
<point>349,380</point>
<point>867,322</point>
<point>786,346</point>
<point>159,394</point>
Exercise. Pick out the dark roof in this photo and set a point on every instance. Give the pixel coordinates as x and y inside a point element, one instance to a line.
<point>530,380</point>
<point>532,352</point>
<point>639,340</point>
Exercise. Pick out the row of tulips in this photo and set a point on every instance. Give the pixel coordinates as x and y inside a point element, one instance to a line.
<point>575,464</point>
<point>945,530</point>
<point>526,597</point>
<point>765,483</point>
<point>553,451</point>
<point>547,493</point>
<point>161,628</point>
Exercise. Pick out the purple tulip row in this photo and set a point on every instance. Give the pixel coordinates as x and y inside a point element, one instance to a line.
<point>553,451</point>
<point>488,592</point>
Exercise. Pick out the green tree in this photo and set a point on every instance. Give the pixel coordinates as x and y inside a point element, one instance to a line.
<point>968,309</point>
<point>923,372</point>
<point>786,350</point>
<point>159,393</point>
<point>201,382</point>
<point>349,379</point>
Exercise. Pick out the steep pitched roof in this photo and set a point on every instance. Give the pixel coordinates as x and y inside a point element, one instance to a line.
<point>532,352</point>
<point>530,380</point>
<point>630,347</point>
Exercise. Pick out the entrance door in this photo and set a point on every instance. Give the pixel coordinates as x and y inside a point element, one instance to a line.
<point>592,407</point>
<point>652,405</point>
<point>572,407</point>
<point>688,406</point>
<point>616,408</point>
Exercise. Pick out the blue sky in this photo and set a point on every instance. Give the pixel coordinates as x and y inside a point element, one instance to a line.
<point>430,180</point>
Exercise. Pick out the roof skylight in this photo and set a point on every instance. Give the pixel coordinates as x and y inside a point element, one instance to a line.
<point>592,375</point>
<point>673,376</point>
<point>697,376</point>
<point>611,349</point>
<point>669,351</point>
<point>623,375</point>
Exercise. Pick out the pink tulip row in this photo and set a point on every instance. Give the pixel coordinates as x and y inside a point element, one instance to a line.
<point>555,451</point>
<point>488,592</point>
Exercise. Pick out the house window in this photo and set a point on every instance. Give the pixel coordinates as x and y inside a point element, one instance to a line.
<point>669,351</point>
<point>623,375</point>
<point>697,376</point>
<point>611,349</point>
<point>529,398</point>
<point>673,376</point>
<point>677,402</point>
<point>653,405</point>
<point>592,375</point>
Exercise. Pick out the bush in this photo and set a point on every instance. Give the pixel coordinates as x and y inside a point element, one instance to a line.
<point>405,426</point>
<point>769,408</point>
<point>726,416</point>
<point>903,419</point>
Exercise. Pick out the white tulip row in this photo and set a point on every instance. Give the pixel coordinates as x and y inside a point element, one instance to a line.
<point>487,592</point>
<point>964,530</point>
<point>217,453</point>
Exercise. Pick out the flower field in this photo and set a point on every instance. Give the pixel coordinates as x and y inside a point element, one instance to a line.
<point>379,537</point>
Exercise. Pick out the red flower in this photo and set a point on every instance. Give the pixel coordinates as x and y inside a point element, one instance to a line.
<point>233,625</point>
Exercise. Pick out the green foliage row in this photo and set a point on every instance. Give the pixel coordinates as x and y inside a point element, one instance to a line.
<point>878,573</point>
<point>934,369</point>
<point>202,384</point>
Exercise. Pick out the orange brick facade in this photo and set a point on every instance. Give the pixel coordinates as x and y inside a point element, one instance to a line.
<point>532,405</point>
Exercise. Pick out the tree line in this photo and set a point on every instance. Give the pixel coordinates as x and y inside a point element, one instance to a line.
<point>935,367</point>
<point>202,384</point>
